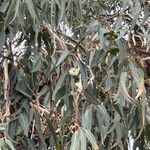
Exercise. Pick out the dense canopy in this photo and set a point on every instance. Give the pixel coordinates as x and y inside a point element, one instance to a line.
<point>74,74</point>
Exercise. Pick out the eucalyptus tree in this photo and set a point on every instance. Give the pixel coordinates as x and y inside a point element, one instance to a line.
<point>74,74</point>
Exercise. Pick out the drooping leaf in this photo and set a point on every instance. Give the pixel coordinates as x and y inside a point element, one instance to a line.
<point>10,144</point>
<point>83,69</point>
<point>60,93</point>
<point>43,91</point>
<point>2,142</point>
<point>83,139</point>
<point>124,89</point>
<point>2,126</point>
<point>50,126</point>
<point>62,57</point>
<point>24,86</point>
<point>16,10</point>
<point>38,128</point>
<point>59,84</point>
<point>31,144</point>
<point>75,141</point>
<point>91,94</point>
<point>2,37</point>
<point>31,8</point>
<point>37,63</point>
<point>87,119</point>
<point>24,121</point>
<point>140,89</point>
<point>92,139</point>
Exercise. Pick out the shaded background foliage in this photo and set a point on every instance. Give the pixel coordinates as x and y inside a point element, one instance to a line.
<point>74,74</point>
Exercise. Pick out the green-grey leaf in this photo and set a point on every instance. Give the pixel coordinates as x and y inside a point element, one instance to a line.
<point>2,37</point>
<point>2,142</point>
<point>43,91</point>
<point>123,79</point>
<point>62,57</point>
<point>10,144</point>
<point>16,10</point>
<point>59,84</point>
<point>31,8</point>
<point>87,119</point>
<point>83,140</point>
<point>75,141</point>
<point>24,121</point>
<point>92,139</point>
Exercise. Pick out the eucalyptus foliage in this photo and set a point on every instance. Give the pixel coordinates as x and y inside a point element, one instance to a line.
<point>74,74</point>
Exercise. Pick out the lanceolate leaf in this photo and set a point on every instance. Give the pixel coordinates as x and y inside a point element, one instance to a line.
<point>59,84</point>
<point>2,142</point>
<point>62,57</point>
<point>75,141</point>
<point>31,9</point>
<point>92,139</point>
<point>123,79</point>
<point>146,14</point>
<point>138,76</point>
<point>24,86</point>
<point>50,126</point>
<point>10,144</point>
<point>91,94</point>
<point>2,37</point>
<point>62,13</point>
<point>87,119</point>
<point>24,121</point>
<point>83,139</point>
<point>140,89</point>
<point>16,10</point>
<point>31,144</point>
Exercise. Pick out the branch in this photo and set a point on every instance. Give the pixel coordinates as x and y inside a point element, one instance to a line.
<point>5,110</point>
